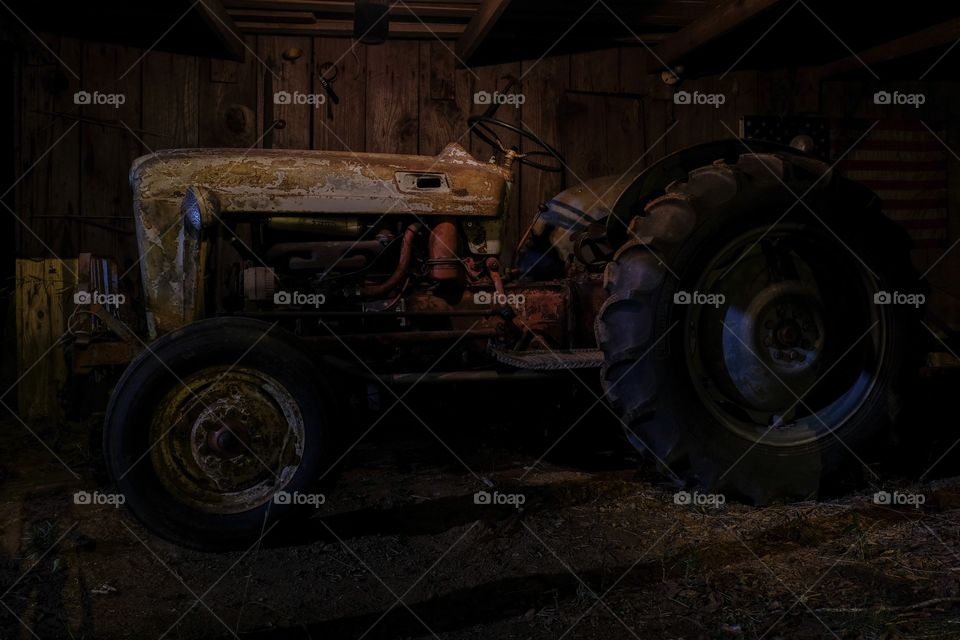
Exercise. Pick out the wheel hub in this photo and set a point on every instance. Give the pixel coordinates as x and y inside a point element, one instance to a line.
<point>788,334</point>
<point>227,439</point>
<point>772,348</point>
<point>791,329</point>
<point>778,352</point>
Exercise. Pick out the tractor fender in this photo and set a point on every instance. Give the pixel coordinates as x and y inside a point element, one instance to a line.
<point>614,200</point>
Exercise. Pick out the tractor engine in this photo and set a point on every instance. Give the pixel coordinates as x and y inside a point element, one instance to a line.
<point>395,282</point>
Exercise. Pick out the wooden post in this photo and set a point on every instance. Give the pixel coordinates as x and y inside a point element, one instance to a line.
<point>45,291</point>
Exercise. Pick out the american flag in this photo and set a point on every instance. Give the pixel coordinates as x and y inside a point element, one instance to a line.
<point>901,160</point>
<point>906,165</point>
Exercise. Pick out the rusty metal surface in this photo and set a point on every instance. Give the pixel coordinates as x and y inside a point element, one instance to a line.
<point>341,226</point>
<point>544,310</point>
<point>89,352</point>
<point>537,312</point>
<point>443,248</point>
<point>403,266</point>
<point>178,192</point>
<point>318,182</point>
<point>98,354</point>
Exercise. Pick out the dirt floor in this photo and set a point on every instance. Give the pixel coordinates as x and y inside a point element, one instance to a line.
<point>401,549</point>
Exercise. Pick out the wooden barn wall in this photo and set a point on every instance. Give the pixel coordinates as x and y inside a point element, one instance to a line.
<point>401,97</point>
<point>602,111</point>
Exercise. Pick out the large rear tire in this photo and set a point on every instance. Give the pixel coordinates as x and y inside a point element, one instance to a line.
<point>747,339</point>
<point>217,432</point>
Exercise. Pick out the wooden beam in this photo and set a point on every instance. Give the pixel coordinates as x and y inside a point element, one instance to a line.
<point>444,31</point>
<point>929,38</point>
<point>711,25</point>
<point>422,9</point>
<point>257,15</point>
<point>213,13</point>
<point>675,21</point>
<point>647,38</point>
<point>480,26</point>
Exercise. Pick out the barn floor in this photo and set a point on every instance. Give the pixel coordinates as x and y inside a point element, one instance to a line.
<point>400,550</point>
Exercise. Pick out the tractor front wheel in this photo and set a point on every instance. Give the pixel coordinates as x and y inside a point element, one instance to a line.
<point>215,432</point>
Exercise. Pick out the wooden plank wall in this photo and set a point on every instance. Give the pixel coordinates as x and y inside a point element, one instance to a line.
<point>400,97</point>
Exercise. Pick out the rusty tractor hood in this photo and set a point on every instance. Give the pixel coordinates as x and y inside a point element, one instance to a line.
<point>325,182</point>
<point>204,185</point>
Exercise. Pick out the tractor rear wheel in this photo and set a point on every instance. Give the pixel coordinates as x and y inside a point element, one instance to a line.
<point>217,431</point>
<point>747,341</point>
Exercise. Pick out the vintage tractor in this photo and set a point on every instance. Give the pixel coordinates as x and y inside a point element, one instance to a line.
<point>730,298</point>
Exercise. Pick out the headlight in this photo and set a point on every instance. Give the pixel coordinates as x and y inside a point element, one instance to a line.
<point>193,218</point>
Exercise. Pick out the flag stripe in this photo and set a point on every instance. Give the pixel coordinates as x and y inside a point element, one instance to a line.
<point>895,165</point>
<point>929,223</point>
<point>914,205</point>
<point>906,185</point>
<point>930,243</point>
<point>900,145</point>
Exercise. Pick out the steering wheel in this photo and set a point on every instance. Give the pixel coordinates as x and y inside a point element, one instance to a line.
<point>485,128</point>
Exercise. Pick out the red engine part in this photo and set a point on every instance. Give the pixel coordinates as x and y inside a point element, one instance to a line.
<point>443,247</point>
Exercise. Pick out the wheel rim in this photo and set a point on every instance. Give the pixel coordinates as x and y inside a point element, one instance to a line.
<point>227,439</point>
<point>793,348</point>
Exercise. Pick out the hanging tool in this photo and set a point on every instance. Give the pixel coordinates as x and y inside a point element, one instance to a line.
<point>328,74</point>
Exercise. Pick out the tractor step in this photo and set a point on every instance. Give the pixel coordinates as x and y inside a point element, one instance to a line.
<point>550,360</point>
